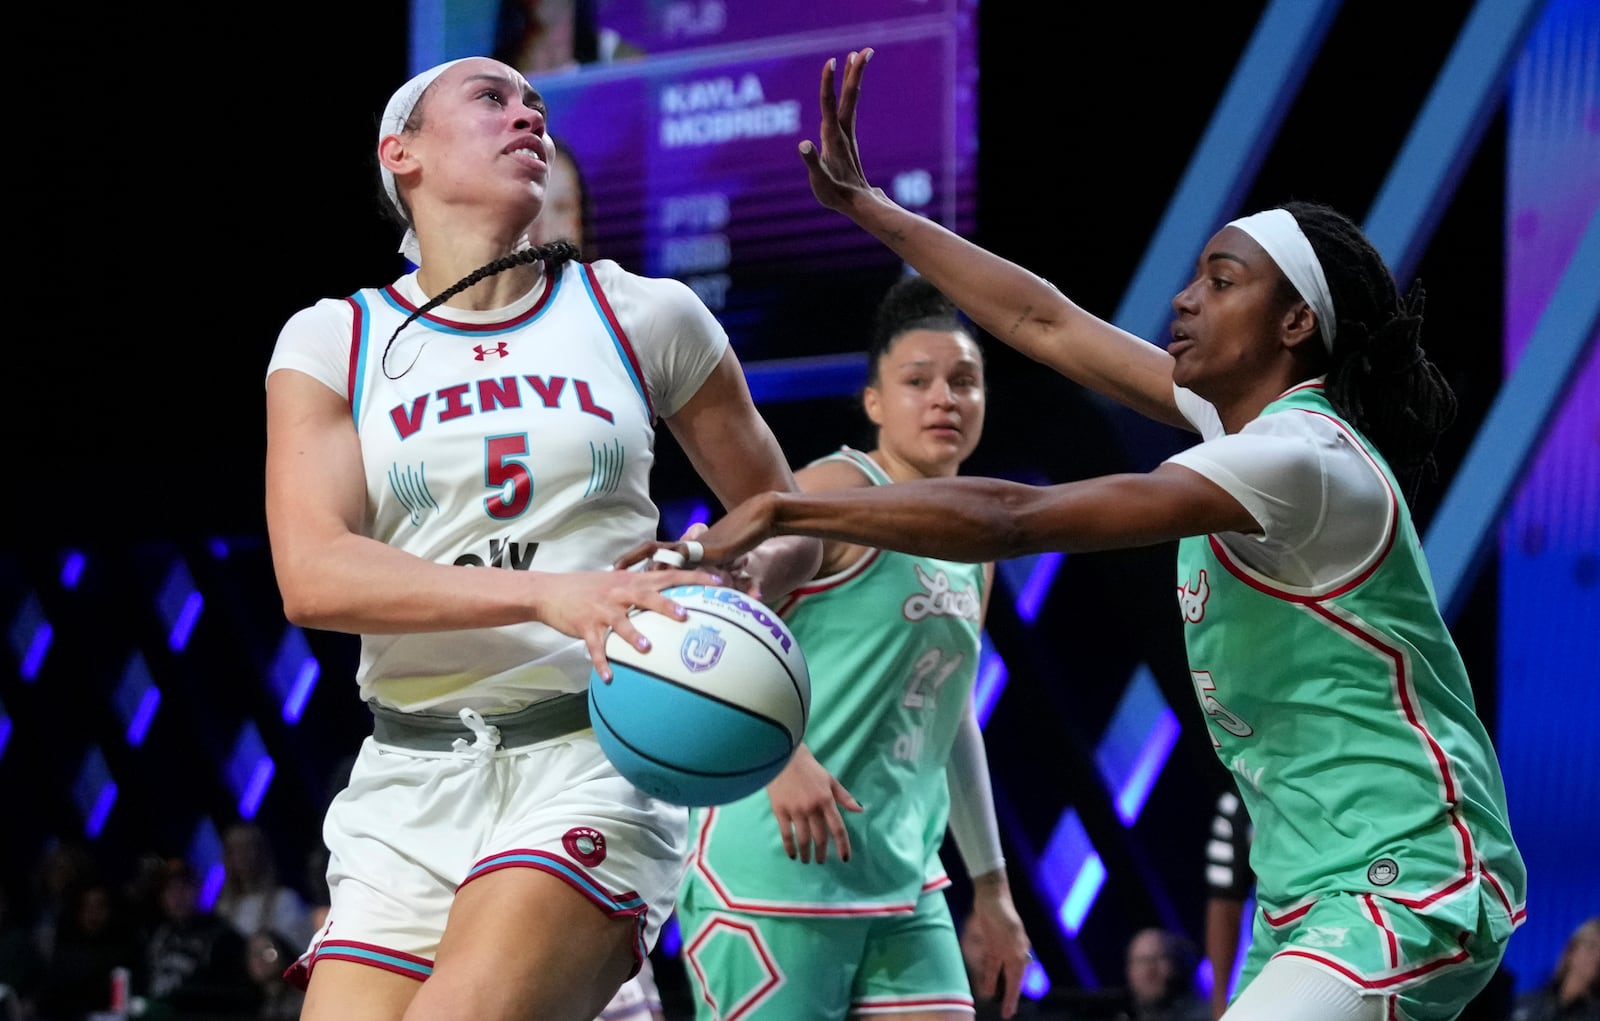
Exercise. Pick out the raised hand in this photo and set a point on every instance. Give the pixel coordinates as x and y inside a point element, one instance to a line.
<point>835,170</point>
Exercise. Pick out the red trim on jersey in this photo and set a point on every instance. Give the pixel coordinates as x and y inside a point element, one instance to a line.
<point>1391,942</point>
<point>698,863</point>
<point>1290,915</point>
<point>298,974</point>
<point>356,329</point>
<point>1441,761</point>
<point>622,337</point>
<point>753,937</point>
<point>1388,981</point>
<point>434,317</point>
<point>845,576</point>
<point>1261,584</point>
<point>902,1005</point>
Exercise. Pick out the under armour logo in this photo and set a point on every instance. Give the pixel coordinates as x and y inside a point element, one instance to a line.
<point>483,352</point>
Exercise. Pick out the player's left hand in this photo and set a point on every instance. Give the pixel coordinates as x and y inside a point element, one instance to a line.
<point>805,800</point>
<point>994,943</point>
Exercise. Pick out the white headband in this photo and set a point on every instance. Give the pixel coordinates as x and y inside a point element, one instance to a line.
<point>395,114</point>
<point>1279,234</point>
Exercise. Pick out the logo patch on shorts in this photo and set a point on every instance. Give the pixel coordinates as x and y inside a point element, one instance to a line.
<point>1383,872</point>
<point>586,845</point>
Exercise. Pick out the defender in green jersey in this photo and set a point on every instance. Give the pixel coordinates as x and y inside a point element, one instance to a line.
<point>1387,877</point>
<point>892,644</point>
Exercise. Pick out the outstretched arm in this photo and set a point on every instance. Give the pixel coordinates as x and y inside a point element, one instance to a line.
<point>976,519</point>
<point>1013,304</point>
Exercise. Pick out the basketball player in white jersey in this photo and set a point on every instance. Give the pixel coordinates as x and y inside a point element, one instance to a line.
<point>453,462</point>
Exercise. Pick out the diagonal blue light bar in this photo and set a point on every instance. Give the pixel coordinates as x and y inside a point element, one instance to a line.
<point>678,515</point>
<point>1446,133</point>
<point>73,564</point>
<point>991,680</point>
<point>249,770</point>
<point>293,673</point>
<point>799,379</point>
<point>1070,873</point>
<point>1483,485</point>
<point>1035,981</point>
<point>205,854</point>
<point>671,939</point>
<point>1137,741</point>
<point>95,791</point>
<point>137,699</point>
<point>5,729</point>
<point>1235,141</point>
<point>31,634</point>
<point>179,603</point>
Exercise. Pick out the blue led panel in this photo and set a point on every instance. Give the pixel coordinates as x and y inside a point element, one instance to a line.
<point>137,699</point>
<point>1136,743</point>
<point>179,604</point>
<point>293,673</point>
<point>73,564</point>
<point>31,634</point>
<point>95,792</point>
<point>1069,873</point>
<point>991,680</point>
<point>205,854</point>
<point>249,770</point>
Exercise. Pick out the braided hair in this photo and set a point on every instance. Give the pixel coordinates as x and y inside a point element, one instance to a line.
<point>1378,376</point>
<point>555,255</point>
<point>911,303</point>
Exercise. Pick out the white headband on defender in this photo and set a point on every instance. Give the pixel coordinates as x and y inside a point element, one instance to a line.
<point>395,114</point>
<point>1279,234</point>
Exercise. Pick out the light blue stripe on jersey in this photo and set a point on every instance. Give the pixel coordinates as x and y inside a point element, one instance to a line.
<point>367,955</point>
<point>554,864</point>
<point>363,344</point>
<point>616,341</point>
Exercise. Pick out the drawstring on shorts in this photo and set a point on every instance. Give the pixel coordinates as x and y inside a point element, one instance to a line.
<point>485,738</point>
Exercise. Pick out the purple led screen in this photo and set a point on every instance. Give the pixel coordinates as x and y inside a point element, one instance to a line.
<point>689,154</point>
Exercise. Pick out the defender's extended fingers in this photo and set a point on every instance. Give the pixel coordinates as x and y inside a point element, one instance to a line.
<point>850,96</point>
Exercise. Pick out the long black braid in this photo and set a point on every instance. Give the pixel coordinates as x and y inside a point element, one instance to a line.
<point>1378,376</point>
<point>555,254</point>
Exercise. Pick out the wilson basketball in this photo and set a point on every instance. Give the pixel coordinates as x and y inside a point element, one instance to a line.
<point>714,709</point>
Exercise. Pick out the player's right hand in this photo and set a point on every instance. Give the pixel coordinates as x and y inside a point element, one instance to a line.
<point>805,800</point>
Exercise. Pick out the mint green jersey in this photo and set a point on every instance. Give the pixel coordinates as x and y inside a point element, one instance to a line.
<point>1345,713</point>
<point>892,646</point>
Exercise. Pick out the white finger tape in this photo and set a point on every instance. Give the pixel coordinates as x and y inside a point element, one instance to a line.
<point>670,557</point>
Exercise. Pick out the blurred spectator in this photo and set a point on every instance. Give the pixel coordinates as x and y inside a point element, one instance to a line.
<point>195,961</point>
<point>1573,990</point>
<point>62,870</point>
<point>93,937</point>
<point>19,959</point>
<point>252,897</point>
<point>267,954</point>
<point>1160,976</point>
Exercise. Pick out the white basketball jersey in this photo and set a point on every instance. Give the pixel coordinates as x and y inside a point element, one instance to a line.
<point>517,439</point>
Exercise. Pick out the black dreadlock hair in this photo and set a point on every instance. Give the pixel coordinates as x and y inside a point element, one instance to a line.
<point>911,303</point>
<point>555,255</point>
<point>1378,376</point>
